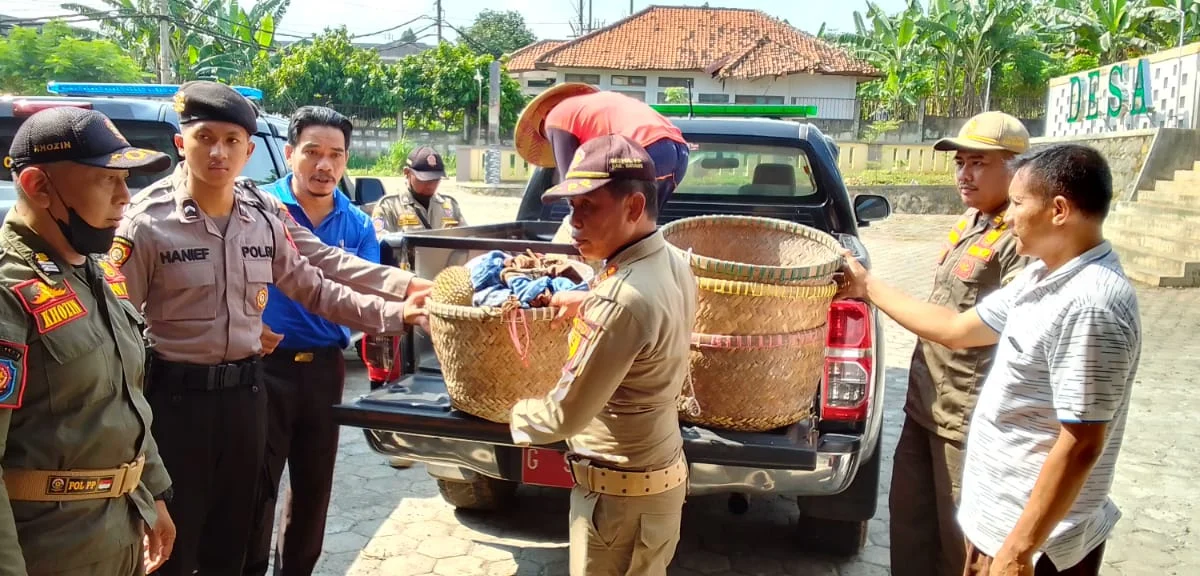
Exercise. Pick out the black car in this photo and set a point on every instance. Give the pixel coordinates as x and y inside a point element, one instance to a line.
<point>829,462</point>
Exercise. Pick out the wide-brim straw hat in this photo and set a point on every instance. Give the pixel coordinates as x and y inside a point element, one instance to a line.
<point>531,142</point>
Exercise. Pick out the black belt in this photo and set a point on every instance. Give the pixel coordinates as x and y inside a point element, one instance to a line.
<point>207,378</point>
<point>303,355</point>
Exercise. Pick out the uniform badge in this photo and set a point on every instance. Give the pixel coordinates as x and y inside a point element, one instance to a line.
<point>12,373</point>
<point>45,264</point>
<point>180,102</point>
<point>965,268</point>
<point>260,299</point>
<point>378,222</point>
<point>114,278</point>
<point>120,251</point>
<point>583,334</point>
<point>432,160</point>
<point>51,307</point>
<point>190,210</point>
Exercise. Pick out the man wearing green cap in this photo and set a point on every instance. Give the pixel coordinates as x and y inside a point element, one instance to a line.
<point>978,257</point>
<point>84,488</point>
<point>630,339</point>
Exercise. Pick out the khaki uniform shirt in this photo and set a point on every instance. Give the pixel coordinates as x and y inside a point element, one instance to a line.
<point>616,402</point>
<point>204,289</point>
<point>979,256</point>
<point>361,275</point>
<point>402,213</point>
<point>70,398</point>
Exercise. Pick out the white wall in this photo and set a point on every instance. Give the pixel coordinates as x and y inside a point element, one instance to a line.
<point>523,79</point>
<point>1171,93</point>
<point>832,95</point>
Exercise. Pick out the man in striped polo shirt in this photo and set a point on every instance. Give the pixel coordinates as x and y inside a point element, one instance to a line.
<point>1045,435</point>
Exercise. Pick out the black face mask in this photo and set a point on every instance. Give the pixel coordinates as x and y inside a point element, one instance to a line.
<point>83,237</point>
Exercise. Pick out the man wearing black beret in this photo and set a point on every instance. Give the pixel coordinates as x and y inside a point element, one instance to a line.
<point>199,250</point>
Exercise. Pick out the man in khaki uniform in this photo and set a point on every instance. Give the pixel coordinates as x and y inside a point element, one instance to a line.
<point>420,207</point>
<point>84,485</point>
<point>199,259</point>
<point>979,256</point>
<point>629,345</point>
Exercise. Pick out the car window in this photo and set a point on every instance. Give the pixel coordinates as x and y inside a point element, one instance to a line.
<point>766,171</point>
<point>158,136</point>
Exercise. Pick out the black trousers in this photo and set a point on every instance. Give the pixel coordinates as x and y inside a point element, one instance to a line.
<point>212,445</point>
<point>303,386</point>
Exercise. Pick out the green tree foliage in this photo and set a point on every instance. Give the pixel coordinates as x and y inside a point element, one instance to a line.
<point>498,33</point>
<point>28,59</point>
<point>438,89</point>
<point>328,70</point>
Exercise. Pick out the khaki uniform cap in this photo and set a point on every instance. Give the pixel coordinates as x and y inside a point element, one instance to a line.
<point>989,131</point>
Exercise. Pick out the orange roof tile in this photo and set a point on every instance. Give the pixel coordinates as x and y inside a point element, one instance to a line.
<point>725,42</point>
<point>523,59</point>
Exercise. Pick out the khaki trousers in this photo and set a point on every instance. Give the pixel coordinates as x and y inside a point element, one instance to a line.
<point>926,477</point>
<point>624,535</point>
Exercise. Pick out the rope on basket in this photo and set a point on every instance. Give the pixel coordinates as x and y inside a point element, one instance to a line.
<point>510,312</point>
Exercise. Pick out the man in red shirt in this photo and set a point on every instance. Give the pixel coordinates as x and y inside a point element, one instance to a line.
<point>558,121</point>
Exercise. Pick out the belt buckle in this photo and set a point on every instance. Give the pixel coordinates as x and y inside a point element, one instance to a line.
<point>303,357</point>
<point>571,459</point>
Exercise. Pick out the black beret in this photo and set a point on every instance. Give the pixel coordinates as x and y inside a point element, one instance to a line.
<point>204,100</point>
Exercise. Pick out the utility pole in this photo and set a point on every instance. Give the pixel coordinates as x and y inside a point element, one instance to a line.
<point>439,21</point>
<point>631,7</point>
<point>164,44</point>
<point>591,23</point>
<point>581,32</point>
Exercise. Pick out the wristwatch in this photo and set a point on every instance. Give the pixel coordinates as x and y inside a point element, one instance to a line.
<point>166,495</point>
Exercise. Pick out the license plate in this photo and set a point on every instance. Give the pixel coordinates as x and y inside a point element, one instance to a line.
<point>546,468</point>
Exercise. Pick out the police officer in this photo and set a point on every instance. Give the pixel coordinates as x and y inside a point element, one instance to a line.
<point>979,256</point>
<point>84,485</point>
<point>629,344</point>
<point>200,259</point>
<point>420,207</point>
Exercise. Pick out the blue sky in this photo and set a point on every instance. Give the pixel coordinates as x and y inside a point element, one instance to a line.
<point>547,18</point>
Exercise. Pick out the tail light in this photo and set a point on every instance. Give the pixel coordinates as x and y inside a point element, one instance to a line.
<point>849,362</point>
<point>31,107</point>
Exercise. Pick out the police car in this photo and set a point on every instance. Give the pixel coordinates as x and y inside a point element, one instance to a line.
<point>145,115</point>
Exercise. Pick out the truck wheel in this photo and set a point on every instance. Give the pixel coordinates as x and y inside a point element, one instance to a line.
<point>835,537</point>
<point>484,493</point>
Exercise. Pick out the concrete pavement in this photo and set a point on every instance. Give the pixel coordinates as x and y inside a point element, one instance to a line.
<point>390,522</point>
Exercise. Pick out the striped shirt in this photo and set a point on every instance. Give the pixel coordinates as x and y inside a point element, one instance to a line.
<point>1068,352</point>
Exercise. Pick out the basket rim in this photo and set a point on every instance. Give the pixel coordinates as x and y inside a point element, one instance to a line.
<point>759,341</point>
<point>731,287</point>
<point>733,268</point>
<point>456,311</point>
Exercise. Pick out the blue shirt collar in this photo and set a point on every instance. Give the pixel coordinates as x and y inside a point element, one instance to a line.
<point>340,201</point>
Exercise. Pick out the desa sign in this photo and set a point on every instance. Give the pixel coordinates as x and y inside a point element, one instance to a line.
<point>1116,92</point>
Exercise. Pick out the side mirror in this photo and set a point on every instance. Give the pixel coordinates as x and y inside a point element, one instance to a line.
<point>368,190</point>
<point>871,208</point>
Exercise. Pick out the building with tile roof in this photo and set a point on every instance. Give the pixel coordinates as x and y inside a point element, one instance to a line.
<point>729,55</point>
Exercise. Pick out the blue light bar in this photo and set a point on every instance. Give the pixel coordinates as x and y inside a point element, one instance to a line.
<point>135,90</point>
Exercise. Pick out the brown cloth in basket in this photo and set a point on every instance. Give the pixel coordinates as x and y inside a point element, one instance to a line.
<point>533,265</point>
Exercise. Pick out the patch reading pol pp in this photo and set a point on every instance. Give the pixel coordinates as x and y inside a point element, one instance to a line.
<point>12,373</point>
<point>64,486</point>
<point>51,306</point>
<point>583,334</point>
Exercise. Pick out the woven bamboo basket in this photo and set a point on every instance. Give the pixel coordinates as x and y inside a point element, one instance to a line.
<point>492,358</point>
<point>745,308</point>
<point>753,383</point>
<point>755,249</point>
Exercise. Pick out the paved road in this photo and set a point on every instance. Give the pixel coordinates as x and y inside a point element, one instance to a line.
<point>384,521</point>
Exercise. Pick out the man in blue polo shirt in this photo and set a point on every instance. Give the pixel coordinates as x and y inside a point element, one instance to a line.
<point>306,371</point>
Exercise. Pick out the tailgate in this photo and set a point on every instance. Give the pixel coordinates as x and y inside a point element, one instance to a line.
<point>419,406</point>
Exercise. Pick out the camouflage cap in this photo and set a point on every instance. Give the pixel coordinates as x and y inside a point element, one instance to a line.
<point>600,161</point>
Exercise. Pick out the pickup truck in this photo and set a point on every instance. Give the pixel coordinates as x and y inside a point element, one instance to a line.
<point>829,463</point>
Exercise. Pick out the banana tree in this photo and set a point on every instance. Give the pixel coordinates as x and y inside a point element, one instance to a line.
<point>894,46</point>
<point>1113,30</point>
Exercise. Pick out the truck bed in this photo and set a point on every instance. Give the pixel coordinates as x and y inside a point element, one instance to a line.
<point>419,405</point>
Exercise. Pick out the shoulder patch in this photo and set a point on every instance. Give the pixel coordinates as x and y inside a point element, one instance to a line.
<point>378,222</point>
<point>51,307</point>
<point>579,342</point>
<point>12,373</point>
<point>122,248</point>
